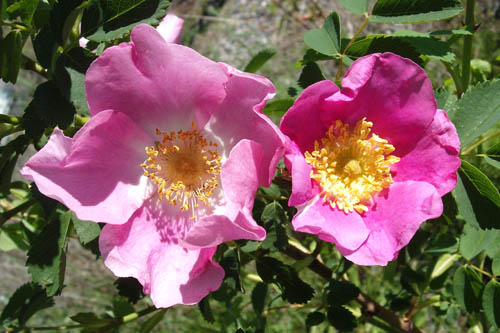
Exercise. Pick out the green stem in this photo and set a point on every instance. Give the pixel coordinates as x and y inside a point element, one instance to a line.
<point>481,271</point>
<point>5,216</point>
<point>356,35</point>
<point>469,22</point>
<point>33,66</point>
<point>477,144</point>
<point>368,306</point>
<point>8,129</point>
<point>455,75</point>
<point>115,323</point>
<point>16,25</point>
<point>5,118</point>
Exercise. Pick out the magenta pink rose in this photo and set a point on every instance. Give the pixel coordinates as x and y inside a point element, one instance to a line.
<point>370,162</point>
<point>171,160</point>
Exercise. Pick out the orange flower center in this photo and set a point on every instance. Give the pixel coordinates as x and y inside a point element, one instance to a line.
<point>351,165</point>
<point>185,167</point>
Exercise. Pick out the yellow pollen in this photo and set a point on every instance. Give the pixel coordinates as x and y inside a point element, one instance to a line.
<point>184,166</point>
<point>351,165</point>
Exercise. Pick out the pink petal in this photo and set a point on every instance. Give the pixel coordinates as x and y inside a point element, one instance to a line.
<point>304,122</point>
<point>386,89</point>
<point>216,229</point>
<point>170,28</point>
<point>183,276</point>
<point>303,189</point>
<point>145,249</point>
<point>239,118</point>
<point>83,42</point>
<point>434,159</point>
<point>394,219</point>
<point>157,84</point>
<point>96,174</point>
<point>239,177</point>
<point>346,230</point>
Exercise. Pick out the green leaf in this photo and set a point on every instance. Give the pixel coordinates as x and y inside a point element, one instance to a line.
<point>12,237</point>
<point>107,20</point>
<point>11,55</point>
<point>491,303</point>
<point>341,318</point>
<point>412,281</point>
<point>259,294</point>
<point>314,318</point>
<point>59,15</point>
<point>91,321</point>
<point>129,288</point>
<point>276,108</point>
<point>341,292</point>
<point>206,310</point>
<point>313,56</point>
<point>87,231</point>
<point>492,162</point>
<point>275,222</point>
<point>478,110</point>
<point>356,6</point>
<point>427,45</point>
<point>293,289</point>
<point>383,43</point>
<point>42,14</point>
<point>25,302</point>
<point>495,265</point>
<point>121,307</point>
<point>259,60</point>
<point>494,152</point>
<point>462,32</point>
<point>445,243</point>
<point>47,255</point>
<point>311,73</point>
<point>24,9</point>
<point>231,284</point>
<point>410,11</point>
<point>467,287</point>
<point>44,44</point>
<point>446,100</point>
<point>153,321</point>
<point>477,198</point>
<point>473,240</point>
<point>327,39</point>
<point>48,204</point>
<point>70,76</point>
<point>9,155</point>
<point>444,263</point>
<point>48,109</point>
<point>493,250</point>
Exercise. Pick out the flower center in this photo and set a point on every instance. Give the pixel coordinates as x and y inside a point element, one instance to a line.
<point>185,166</point>
<point>351,165</point>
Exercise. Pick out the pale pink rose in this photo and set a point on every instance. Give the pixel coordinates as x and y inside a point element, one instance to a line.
<point>170,28</point>
<point>370,162</point>
<point>171,160</point>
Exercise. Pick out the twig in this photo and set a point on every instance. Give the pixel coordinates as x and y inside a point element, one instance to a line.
<point>353,39</point>
<point>467,55</point>
<point>368,306</point>
<point>33,66</point>
<point>113,322</point>
<point>5,216</point>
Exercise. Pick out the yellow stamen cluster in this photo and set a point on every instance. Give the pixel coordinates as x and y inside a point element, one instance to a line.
<point>185,166</point>
<point>351,165</point>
